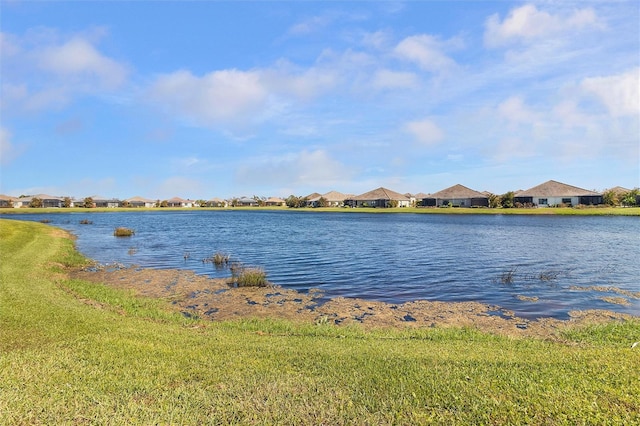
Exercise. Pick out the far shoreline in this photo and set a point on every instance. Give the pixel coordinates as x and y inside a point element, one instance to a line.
<point>540,211</point>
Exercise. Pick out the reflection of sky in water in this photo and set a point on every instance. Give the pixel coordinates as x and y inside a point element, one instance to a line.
<point>389,257</point>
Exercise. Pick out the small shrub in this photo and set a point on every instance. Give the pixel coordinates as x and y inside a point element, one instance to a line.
<point>242,276</point>
<point>123,232</point>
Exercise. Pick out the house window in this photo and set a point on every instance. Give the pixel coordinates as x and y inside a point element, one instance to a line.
<point>542,201</point>
<point>566,201</point>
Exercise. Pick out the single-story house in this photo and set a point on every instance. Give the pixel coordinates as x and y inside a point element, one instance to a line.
<point>216,202</point>
<point>381,197</point>
<point>100,201</point>
<point>274,202</point>
<point>139,202</point>
<point>47,201</point>
<point>331,198</point>
<point>456,196</point>
<point>553,193</point>
<point>179,202</point>
<point>312,196</point>
<point>7,201</point>
<point>247,202</point>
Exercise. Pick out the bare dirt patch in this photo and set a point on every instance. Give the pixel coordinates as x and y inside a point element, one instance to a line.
<point>214,299</point>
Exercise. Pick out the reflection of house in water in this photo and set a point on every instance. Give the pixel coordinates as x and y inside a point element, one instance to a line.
<point>552,193</point>
<point>456,196</point>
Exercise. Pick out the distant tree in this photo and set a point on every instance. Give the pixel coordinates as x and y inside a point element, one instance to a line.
<point>392,204</point>
<point>125,203</point>
<point>631,198</point>
<point>36,203</point>
<point>66,202</point>
<point>296,202</point>
<point>610,198</point>
<point>201,203</point>
<point>164,203</point>
<point>322,202</point>
<point>494,201</point>
<point>506,200</point>
<point>260,200</point>
<point>157,203</point>
<point>88,203</point>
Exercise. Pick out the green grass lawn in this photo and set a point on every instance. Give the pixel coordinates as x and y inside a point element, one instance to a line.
<point>72,352</point>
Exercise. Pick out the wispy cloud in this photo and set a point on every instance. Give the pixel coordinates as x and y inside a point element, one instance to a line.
<point>619,93</point>
<point>45,70</point>
<point>428,52</point>
<point>425,131</point>
<point>527,24</point>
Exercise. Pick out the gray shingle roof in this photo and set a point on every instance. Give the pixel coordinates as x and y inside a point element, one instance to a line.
<point>553,188</point>
<point>457,192</point>
<point>381,194</point>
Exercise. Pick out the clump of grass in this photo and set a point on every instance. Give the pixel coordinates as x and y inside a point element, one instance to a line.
<point>45,221</point>
<point>218,258</point>
<point>123,232</point>
<point>242,276</point>
<point>86,222</point>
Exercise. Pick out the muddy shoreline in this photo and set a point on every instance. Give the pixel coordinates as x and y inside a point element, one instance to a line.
<point>214,299</point>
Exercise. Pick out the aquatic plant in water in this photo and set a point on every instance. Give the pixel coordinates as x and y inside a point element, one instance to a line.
<point>123,232</point>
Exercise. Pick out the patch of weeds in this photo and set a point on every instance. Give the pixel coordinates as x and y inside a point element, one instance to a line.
<point>509,276</point>
<point>123,232</point>
<point>218,259</point>
<point>45,221</point>
<point>242,276</point>
<point>86,222</point>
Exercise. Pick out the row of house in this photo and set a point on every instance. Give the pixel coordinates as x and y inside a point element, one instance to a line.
<point>550,193</point>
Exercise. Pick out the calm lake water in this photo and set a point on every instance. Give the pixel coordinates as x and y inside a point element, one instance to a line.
<point>389,257</point>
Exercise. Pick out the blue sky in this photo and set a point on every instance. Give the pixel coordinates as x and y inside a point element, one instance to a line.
<point>211,99</point>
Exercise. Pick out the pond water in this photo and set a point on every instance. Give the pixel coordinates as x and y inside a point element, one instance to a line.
<point>536,266</point>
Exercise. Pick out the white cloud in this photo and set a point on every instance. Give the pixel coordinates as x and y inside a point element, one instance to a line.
<point>619,93</point>
<point>78,57</point>
<point>514,110</point>
<point>425,131</point>
<point>426,51</point>
<point>40,71</point>
<point>220,96</point>
<point>527,23</point>
<point>7,150</point>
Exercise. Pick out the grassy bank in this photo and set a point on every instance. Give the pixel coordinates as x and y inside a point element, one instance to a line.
<point>72,352</point>
<point>564,211</point>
